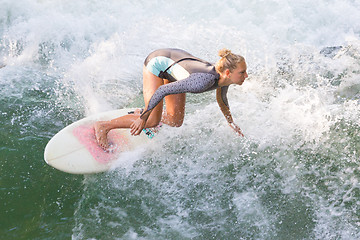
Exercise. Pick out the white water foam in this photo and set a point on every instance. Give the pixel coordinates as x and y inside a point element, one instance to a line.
<point>294,173</point>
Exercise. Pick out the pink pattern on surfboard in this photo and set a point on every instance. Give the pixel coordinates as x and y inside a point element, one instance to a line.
<point>86,136</point>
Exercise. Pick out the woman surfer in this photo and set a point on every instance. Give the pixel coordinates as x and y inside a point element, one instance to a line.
<point>169,74</point>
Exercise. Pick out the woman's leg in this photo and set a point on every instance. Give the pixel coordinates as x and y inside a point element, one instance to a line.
<point>175,109</point>
<point>150,84</point>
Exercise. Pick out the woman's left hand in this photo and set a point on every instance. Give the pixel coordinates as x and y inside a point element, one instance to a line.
<point>236,129</point>
<point>137,126</point>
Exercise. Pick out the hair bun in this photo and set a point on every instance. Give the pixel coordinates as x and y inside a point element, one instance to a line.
<point>224,52</point>
<point>228,60</point>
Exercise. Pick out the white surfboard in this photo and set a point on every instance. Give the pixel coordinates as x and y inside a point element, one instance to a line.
<point>75,150</point>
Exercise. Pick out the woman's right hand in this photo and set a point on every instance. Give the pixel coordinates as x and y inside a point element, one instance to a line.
<point>236,128</point>
<point>137,126</point>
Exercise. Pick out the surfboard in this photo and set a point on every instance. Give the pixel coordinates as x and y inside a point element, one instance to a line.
<point>75,150</point>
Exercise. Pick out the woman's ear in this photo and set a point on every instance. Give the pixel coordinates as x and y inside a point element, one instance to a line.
<point>227,72</point>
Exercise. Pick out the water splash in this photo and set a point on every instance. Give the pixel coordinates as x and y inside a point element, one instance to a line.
<point>294,175</point>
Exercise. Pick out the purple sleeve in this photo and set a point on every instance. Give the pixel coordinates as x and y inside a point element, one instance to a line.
<point>195,83</point>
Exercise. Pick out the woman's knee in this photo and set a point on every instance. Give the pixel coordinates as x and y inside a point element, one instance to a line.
<point>178,122</point>
<point>173,120</point>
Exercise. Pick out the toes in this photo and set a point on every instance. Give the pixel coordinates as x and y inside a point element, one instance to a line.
<point>104,146</point>
<point>100,136</point>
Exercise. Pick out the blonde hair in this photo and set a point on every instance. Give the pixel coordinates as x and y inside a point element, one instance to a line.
<point>228,60</point>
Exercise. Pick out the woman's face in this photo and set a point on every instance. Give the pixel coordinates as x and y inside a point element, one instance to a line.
<point>239,74</point>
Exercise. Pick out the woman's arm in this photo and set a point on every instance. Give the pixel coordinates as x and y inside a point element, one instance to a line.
<point>195,83</point>
<point>225,109</point>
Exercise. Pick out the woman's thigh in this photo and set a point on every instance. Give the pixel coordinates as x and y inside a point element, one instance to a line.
<point>175,104</point>
<point>150,84</point>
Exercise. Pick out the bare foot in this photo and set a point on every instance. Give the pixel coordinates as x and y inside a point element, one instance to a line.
<point>101,134</point>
